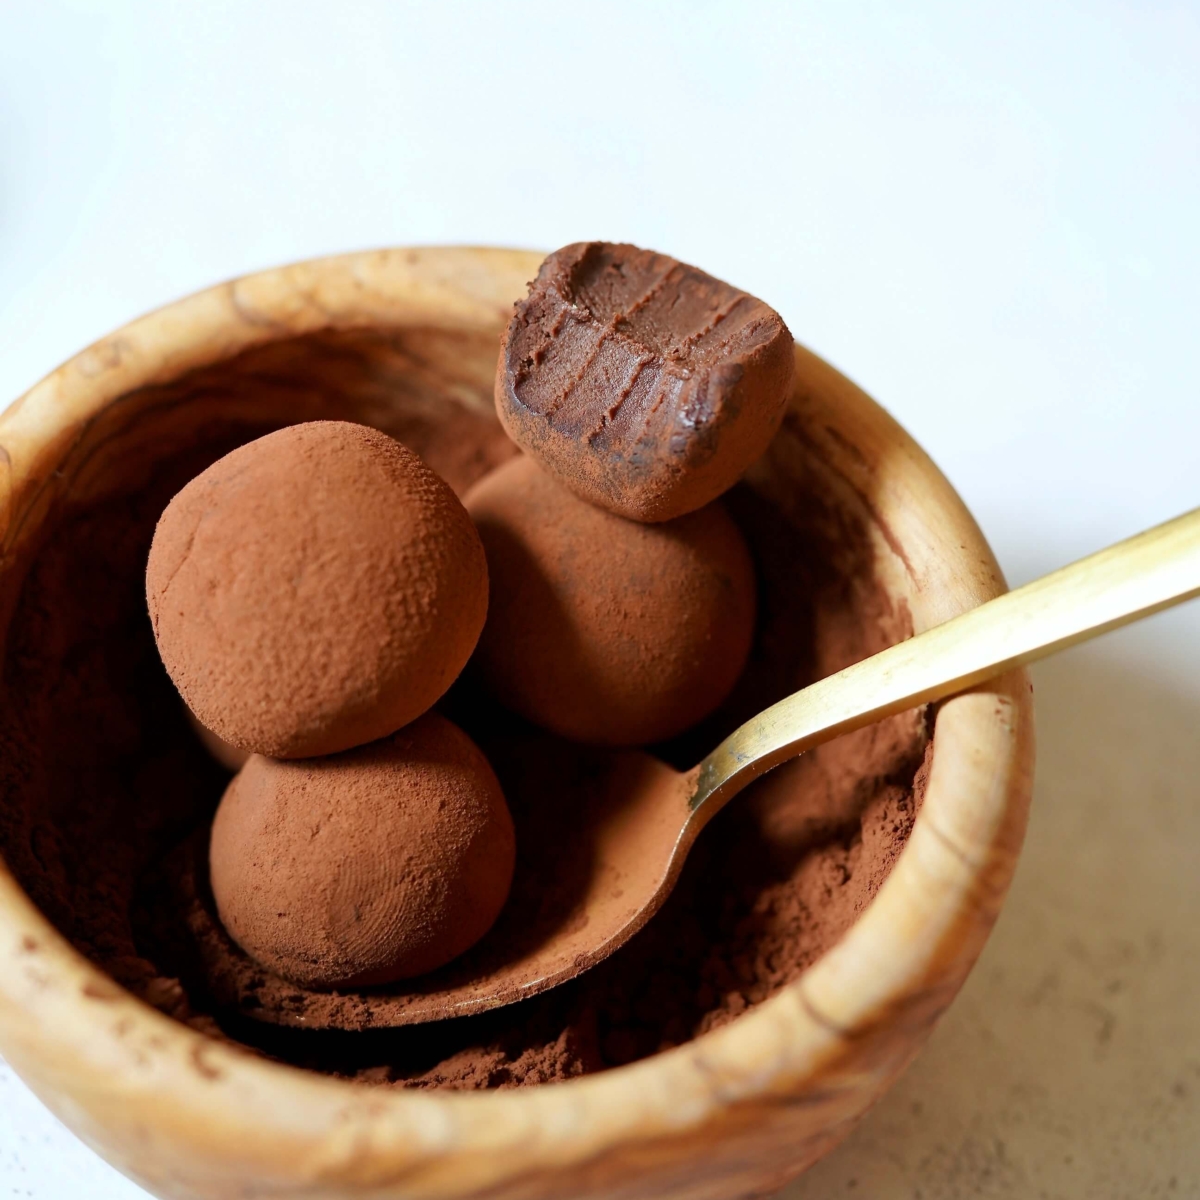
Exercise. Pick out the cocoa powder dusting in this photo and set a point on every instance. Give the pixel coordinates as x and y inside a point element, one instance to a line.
<point>365,867</point>
<point>602,629</point>
<point>102,780</point>
<point>314,590</point>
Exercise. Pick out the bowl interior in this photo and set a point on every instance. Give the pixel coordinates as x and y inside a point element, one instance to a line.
<point>113,780</point>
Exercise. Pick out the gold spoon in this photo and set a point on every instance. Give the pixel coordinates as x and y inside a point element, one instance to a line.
<point>610,858</point>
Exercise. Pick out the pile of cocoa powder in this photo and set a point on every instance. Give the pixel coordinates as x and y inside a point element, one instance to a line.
<point>101,779</point>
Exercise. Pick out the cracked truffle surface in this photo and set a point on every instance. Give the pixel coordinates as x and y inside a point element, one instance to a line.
<point>366,867</point>
<point>314,590</point>
<point>602,629</point>
<point>643,384</point>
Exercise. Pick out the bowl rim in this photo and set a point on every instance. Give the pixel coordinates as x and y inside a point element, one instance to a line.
<point>95,1053</point>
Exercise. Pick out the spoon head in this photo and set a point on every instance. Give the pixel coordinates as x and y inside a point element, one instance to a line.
<point>601,836</point>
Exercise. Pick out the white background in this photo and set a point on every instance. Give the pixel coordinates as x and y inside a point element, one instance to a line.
<point>986,214</point>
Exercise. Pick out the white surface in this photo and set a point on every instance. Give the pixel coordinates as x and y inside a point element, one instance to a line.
<point>985,214</point>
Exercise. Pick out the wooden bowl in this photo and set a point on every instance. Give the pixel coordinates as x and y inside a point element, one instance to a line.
<point>736,1112</point>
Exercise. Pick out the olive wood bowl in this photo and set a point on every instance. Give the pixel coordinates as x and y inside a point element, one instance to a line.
<point>735,1112</point>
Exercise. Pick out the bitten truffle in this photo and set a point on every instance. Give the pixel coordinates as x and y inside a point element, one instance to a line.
<point>314,590</point>
<point>606,630</point>
<point>643,384</point>
<point>366,867</point>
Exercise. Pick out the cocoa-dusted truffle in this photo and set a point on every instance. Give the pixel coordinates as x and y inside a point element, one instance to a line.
<point>365,867</point>
<point>602,629</point>
<point>315,589</point>
<point>643,384</point>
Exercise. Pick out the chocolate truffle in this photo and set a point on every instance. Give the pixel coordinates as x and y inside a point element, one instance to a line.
<point>315,589</point>
<point>643,384</point>
<point>365,867</point>
<point>606,630</point>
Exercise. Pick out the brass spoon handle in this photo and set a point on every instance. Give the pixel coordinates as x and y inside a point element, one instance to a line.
<point>1127,581</point>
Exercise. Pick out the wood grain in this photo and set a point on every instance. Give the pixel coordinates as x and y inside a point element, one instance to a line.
<point>734,1113</point>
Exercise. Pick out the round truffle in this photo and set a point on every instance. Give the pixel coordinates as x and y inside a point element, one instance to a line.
<point>643,384</point>
<point>366,867</point>
<point>606,630</point>
<point>314,590</point>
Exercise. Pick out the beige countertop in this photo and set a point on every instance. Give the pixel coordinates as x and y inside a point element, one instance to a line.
<point>1069,1066</point>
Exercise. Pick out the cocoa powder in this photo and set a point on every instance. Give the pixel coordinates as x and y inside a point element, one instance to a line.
<point>602,629</point>
<point>101,779</point>
<point>365,867</point>
<point>314,590</point>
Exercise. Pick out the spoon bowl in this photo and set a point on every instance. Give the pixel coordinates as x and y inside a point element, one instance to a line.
<point>589,875</point>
